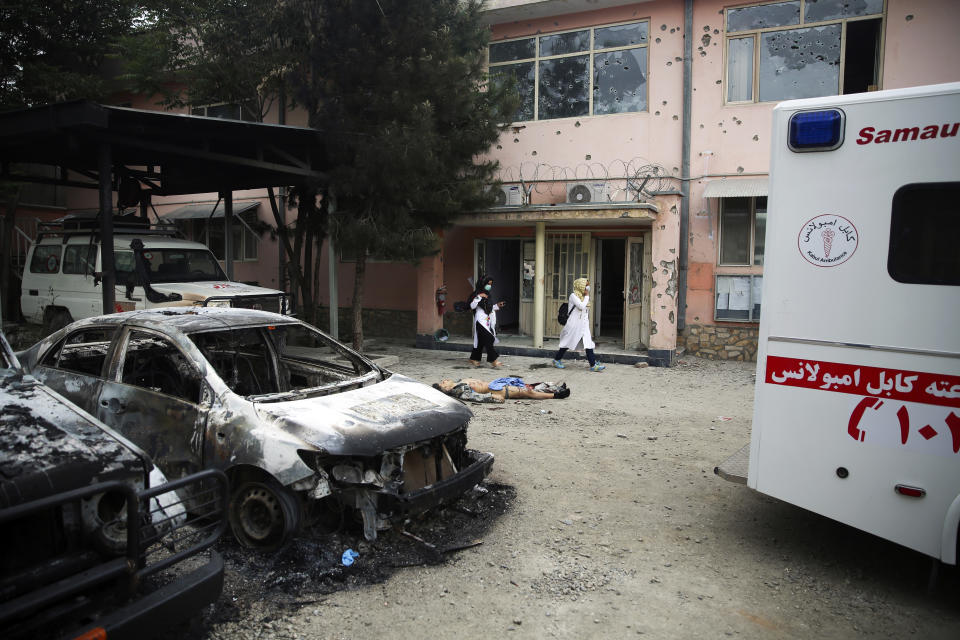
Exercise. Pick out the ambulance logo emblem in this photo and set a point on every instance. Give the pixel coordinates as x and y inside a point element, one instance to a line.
<point>828,240</point>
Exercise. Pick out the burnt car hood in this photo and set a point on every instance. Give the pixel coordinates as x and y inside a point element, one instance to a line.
<point>48,446</point>
<point>368,421</point>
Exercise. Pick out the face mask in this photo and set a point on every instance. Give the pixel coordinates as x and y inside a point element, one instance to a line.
<point>488,287</point>
<point>587,288</point>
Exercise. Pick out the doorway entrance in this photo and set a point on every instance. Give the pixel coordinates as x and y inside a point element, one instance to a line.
<point>611,271</point>
<point>502,261</point>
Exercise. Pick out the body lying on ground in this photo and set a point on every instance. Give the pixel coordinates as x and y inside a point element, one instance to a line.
<point>501,390</point>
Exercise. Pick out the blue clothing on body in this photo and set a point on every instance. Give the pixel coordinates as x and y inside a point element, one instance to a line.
<point>500,383</point>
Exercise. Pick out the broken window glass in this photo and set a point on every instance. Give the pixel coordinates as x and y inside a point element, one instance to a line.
<point>619,81</point>
<point>521,74</point>
<point>800,63</point>
<point>572,42</point>
<point>620,36</point>
<point>85,351</point>
<point>780,14</point>
<point>153,363</point>
<point>564,86</point>
<point>241,358</point>
<point>817,10</point>
<point>513,50</point>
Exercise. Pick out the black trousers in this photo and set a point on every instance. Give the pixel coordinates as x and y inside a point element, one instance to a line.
<point>484,341</point>
<point>590,357</point>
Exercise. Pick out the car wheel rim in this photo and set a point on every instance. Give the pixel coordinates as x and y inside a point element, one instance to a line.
<point>260,514</point>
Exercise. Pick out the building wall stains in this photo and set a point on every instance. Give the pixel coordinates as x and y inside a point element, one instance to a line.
<point>669,269</point>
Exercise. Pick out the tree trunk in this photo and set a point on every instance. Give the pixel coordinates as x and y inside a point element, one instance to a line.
<point>11,311</point>
<point>316,281</point>
<point>360,270</point>
<point>291,262</point>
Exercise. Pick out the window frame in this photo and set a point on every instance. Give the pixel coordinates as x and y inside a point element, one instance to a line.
<point>757,34</point>
<point>590,53</point>
<point>117,375</point>
<point>716,287</point>
<point>58,348</point>
<point>35,262</point>
<point>752,240</point>
<point>200,232</point>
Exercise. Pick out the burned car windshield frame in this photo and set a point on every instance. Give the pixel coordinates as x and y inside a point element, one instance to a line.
<point>266,371</point>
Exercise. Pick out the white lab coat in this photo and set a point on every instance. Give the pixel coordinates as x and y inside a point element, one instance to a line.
<point>487,321</point>
<point>578,324</point>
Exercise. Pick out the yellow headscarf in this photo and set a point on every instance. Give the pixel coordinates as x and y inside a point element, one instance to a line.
<point>580,287</point>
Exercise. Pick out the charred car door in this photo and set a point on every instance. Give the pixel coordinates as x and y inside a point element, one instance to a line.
<point>75,367</point>
<point>158,399</point>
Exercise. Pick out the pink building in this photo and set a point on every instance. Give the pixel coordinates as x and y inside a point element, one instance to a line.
<point>649,175</point>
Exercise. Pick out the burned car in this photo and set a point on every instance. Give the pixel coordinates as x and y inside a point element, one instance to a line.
<point>299,422</point>
<point>94,541</point>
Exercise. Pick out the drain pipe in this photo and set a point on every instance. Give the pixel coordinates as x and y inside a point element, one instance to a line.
<point>685,164</point>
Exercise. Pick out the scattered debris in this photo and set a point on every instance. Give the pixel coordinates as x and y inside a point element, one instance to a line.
<point>348,557</point>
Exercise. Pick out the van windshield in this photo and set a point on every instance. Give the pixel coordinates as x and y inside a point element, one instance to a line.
<point>181,265</point>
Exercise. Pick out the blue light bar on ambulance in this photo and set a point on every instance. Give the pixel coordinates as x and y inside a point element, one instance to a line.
<point>816,130</point>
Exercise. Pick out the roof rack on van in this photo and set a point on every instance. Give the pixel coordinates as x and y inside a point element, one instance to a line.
<point>87,223</point>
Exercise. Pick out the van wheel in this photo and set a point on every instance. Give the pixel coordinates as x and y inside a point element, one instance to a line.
<point>55,319</point>
<point>263,515</point>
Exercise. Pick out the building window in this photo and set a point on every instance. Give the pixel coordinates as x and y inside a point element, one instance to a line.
<point>802,49</point>
<point>226,111</point>
<point>743,226</point>
<point>592,71</point>
<point>738,298</point>
<point>925,234</point>
<point>246,241</point>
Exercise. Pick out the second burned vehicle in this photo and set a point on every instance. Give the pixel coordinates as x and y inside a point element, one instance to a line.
<point>297,420</point>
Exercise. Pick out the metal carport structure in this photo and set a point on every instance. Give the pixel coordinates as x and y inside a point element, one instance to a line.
<point>140,153</point>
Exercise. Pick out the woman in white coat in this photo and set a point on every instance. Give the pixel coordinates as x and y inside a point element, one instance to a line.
<point>484,324</point>
<point>577,329</point>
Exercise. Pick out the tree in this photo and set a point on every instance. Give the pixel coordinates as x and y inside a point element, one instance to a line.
<point>402,96</point>
<point>52,52</point>
<point>244,52</point>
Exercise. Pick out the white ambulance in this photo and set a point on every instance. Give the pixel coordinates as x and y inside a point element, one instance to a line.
<point>155,267</point>
<point>857,403</point>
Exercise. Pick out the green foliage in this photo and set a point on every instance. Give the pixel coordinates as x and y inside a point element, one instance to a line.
<point>407,114</point>
<point>197,52</point>
<point>54,50</point>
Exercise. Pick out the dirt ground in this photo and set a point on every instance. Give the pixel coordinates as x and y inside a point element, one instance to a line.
<point>602,519</point>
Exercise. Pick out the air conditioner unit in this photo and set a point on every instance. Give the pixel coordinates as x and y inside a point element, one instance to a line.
<point>587,192</point>
<point>508,196</point>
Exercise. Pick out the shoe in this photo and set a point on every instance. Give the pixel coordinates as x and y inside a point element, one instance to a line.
<point>597,367</point>
<point>496,364</point>
<point>559,364</point>
<point>560,395</point>
<point>474,363</point>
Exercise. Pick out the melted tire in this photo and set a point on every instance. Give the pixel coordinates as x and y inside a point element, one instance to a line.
<point>263,515</point>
